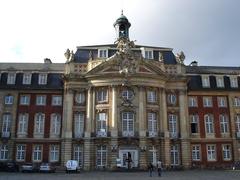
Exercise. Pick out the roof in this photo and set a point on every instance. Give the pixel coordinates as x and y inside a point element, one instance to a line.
<point>212,70</point>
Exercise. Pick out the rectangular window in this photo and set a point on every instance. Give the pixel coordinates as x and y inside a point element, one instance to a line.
<point>102,95</point>
<point>42,79</point>
<point>27,78</point>
<point>148,54</point>
<point>205,81</point>
<point>196,152</point>
<point>152,124</point>
<point>78,154</point>
<point>8,100</point>
<point>11,78</point>
<point>78,125</point>
<point>209,126</point>
<point>6,125</point>
<point>227,155</point>
<point>54,153</point>
<point>192,102</point>
<point>220,81</point>
<point>21,152</point>
<point>128,124</point>
<point>56,100</point>
<point>194,119</point>
<point>55,124</point>
<point>101,156</point>
<point>234,82</point>
<point>211,153</point>
<point>222,102</point>
<point>37,153</point>
<point>102,53</point>
<point>236,101</point>
<point>172,125</point>
<point>24,99</point>
<point>151,96</point>
<point>41,100</point>
<point>3,152</point>
<point>207,101</point>
<point>39,123</point>
<point>102,124</point>
<point>174,155</point>
<point>223,123</point>
<point>23,123</point>
<point>237,121</point>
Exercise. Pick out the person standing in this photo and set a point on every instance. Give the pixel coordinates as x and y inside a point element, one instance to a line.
<point>150,169</point>
<point>159,168</point>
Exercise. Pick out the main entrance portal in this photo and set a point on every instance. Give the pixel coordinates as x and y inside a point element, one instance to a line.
<point>129,158</point>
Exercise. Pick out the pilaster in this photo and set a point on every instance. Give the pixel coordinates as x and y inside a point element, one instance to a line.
<point>89,113</point>
<point>142,112</point>
<point>114,128</point>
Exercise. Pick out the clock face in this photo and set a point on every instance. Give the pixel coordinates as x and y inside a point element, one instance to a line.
<point>127,94</point>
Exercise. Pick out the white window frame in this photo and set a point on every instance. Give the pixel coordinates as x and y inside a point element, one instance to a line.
<point>151,96</point>
<point>42,78</point>
<point>174,155</point>
<point>207,101</point>
<point>172,124</point>
<point>102,95</point>
<point>192,101</point>
<point>37,153</point>
<point>80,98</point>
<point>39,123</point>
<point>56,100</point>
<point>224,126</point>
<point>101,124</point>
<point>6,123</point>
<point>147,53</point>
<point>153,155</point>
<point>11,78</point>
<point>8,99</point>
<point>236,101</point>
<point>27,77</point>
<point>220,81</point>
<point>55,124</point>
<point>237,122</point>
<point>152,123</point>
<point>78,154</point>
<point>194,119</point>
<point>101,156</point>
<point>23,123</point>
<point>211,152</point>
<point>102,53</point>
<point>127,94</point>
<point>20,152</point>
<point>54,153</point>
<point>127,123</point>
<point>79,119</point>
<point>205,81</point>
<point>24,99</point>
<point>4,152</point>
<point>222,101</point>
<point>209,123</point>
<point>234,81</point>
<point>41,100</point>
<point>227,152</point>
<point>196,152</point>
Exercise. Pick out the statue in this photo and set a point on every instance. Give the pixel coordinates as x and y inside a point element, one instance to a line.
<point>69,55</point>
<point>180,57</point>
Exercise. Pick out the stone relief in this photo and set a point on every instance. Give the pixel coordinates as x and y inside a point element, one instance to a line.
<point>69,55</point>
<point>180,57</point>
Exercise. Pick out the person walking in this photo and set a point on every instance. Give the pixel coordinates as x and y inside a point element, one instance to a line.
<point>150,169</point>
<point>159,168</point>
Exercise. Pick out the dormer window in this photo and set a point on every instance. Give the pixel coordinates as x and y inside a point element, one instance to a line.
<point>42,79</point>
<point>147,53</point>
<point>220,82</point>
<point>11,78</point>
<point>205,82</point>
<point>102,53</point>
<point>27,78</point>
<point>234,81</point>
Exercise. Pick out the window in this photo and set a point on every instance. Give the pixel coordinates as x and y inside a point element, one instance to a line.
<point>220,81</point>
<point>207,101</point>
<point>153,155</point>
<point>55,124</point>
<point>102,124</point>
<point>172,124</point>
<point>80,98</point>
<point>101,156</point>
<point>222,102</point>
<point>172,99</point>
<point>226,149</point>
<point>41,100</point>
<point>223,123</point>
<point>127,94</point>
<point>3,152</point>
<point>236,101</point>
<point>152,124</point>
<point>11,78</point>
<point>102,53</point>
<point>205,81</point>
<point>194,123</point>
<point>211,152</point>
<point>209,128</point>
<point>56,100</point>
<point>102,95</point>
<point>8,100</point>
<point>151,96</point>
<point>21,152</point>
<point>24,99</point>
<point>37,153</point>
<point>78,125</point>
<point>23,123</point>
<point>196,152</point>
<point>174,155</point>
<point>6,125</point>
<point>42,79</point>
<point>237,120</point>
<point>39,123</point>
<point>148,54</point>
<point>192,102</point>
<point>234,82</point>
<point>128,124</point>
<point>27,78</point>
<point>78,154</point>
<point>54,153</point>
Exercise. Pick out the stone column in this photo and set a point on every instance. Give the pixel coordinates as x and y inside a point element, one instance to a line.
<point>184,129</point>
<point>114,123</point>
<point>66,146</point>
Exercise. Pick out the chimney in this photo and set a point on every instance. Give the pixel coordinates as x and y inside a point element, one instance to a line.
<point>47,61</point>
<point>194,63</point>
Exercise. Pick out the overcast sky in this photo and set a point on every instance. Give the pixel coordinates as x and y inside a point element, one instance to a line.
<point>207,31</point>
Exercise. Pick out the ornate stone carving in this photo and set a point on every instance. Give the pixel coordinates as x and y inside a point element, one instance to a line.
<point>69,55</point>
<point>180,57</point>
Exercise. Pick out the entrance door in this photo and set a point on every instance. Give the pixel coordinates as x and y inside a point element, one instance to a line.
<point>129,156</point>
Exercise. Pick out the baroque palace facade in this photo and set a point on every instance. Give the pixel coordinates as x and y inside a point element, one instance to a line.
<point>120,101</point>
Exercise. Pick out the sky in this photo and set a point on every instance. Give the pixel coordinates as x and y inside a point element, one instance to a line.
<point>207,31</point>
